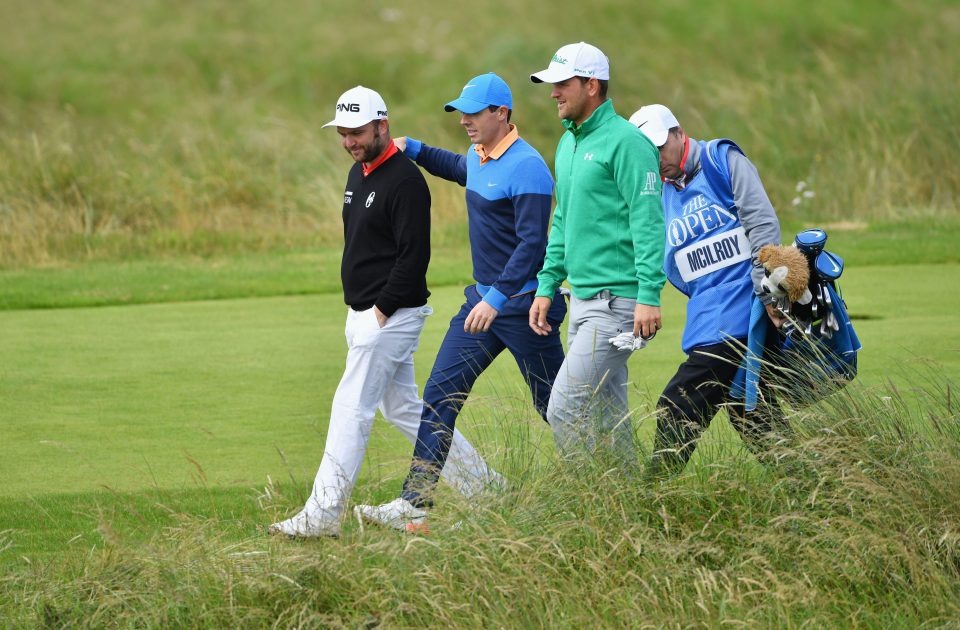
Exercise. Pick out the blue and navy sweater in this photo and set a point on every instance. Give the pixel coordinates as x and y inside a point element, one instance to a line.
<point>508,210</point>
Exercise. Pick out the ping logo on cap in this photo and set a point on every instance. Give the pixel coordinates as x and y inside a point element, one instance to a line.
<point>358,106</point>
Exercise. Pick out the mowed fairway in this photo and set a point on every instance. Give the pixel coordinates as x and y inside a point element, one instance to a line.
<point>220,396</point>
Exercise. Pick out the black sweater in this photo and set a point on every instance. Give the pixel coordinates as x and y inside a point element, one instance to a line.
<point>386,233</point>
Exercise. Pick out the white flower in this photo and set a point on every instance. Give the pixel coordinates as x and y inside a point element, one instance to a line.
<point>796,201</point>
<point>391,15</point>
<point>801,185</point>
<point>809,194</point>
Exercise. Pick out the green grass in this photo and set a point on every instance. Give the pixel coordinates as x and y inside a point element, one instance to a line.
<point>145,448</point>
<point>146,280</point>
<point>137,397</point>
<point>179,279</point>
<point>164,164</point>
<point>195,129</point>
<point>854,526</point>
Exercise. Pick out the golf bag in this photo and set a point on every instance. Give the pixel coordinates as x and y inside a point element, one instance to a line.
<point>815,353</point>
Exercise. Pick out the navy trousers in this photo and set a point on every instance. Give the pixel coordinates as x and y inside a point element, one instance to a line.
<point>461,359</point>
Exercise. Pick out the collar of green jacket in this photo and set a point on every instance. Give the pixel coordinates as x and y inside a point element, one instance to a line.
<point>599,116</point>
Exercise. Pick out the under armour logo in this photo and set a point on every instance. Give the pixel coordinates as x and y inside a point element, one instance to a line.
<point>588,156</point>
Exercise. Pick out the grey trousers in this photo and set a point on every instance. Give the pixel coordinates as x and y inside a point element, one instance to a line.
<point>588,404</point>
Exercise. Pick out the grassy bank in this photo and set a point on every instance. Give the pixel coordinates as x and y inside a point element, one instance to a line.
<point>154,129</point>
<point>853,526</point>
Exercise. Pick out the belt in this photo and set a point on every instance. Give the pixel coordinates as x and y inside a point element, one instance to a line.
<point>602,295</point>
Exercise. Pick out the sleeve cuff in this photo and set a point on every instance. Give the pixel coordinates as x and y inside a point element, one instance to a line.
<point>495,298</point>
<point>413,148</point>
<point>648,296</point>
<point>387,309</point>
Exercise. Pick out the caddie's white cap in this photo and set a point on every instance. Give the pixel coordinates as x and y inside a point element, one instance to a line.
<point>575,60</point>
<point>655,121</point>
<point>358,106</point>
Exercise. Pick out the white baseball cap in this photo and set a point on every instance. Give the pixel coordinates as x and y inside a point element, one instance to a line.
<point>358,106</point>
<point>575,60</point>
<point>655,121</point>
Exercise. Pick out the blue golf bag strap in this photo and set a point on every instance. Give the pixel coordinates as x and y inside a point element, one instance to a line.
<point>844,343</point>
<point>716,170</point>
<point>746,382</point>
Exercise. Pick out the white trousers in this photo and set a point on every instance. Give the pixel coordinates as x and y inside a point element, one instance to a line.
<point>379,374</point>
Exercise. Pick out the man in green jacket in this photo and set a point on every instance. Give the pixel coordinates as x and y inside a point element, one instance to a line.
<point>607,240</point>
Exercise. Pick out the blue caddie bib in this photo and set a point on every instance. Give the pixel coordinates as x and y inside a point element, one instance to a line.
<point>707,252</point>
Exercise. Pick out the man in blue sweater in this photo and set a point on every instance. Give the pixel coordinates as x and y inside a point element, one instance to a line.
<point>509,194</point>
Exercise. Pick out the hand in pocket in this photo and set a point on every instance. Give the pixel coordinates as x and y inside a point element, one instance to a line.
<point>381,318</point>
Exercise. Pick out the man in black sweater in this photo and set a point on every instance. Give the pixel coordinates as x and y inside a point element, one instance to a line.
<point>386,230</point>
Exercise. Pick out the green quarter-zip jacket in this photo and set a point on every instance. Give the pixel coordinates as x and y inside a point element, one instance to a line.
<point>607,229</point>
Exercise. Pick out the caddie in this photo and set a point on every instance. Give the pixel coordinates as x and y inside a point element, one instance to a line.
<point>717,216</point>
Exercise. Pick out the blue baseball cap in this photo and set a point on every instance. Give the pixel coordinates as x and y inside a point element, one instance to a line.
<point>481,92</point>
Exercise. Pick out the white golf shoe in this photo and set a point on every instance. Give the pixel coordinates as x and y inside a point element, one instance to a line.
<point>302,525</point>
<point>398,514</point>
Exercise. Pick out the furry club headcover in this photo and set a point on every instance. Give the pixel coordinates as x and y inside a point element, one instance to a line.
<point>787,273</point>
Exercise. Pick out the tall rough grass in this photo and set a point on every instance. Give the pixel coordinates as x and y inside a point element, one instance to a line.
<point>153,128</point>
<point>855,525</point>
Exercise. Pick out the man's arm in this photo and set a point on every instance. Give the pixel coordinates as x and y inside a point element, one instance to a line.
<point>554,270</point>
<point>553,273</point>
<point>440,162</point>
<point>636,167</point>
<point>759,221</point>
<point>410,221</point>
<point>757,215</point>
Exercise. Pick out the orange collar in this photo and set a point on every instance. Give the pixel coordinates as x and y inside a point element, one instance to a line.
<point>386,155</point>
<point>512,136</point>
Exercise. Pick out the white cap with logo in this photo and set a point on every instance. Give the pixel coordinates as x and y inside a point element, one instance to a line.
<point>358,106</point>
<point>575,60</point>
<point>655,121</point>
